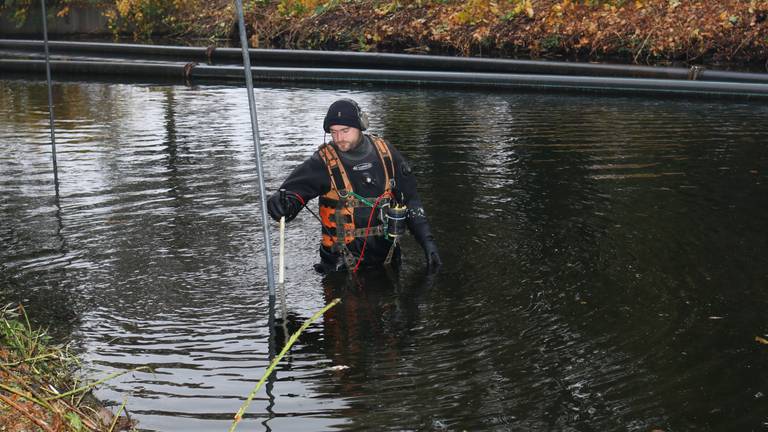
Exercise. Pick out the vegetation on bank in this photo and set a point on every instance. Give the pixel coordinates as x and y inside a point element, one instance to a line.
<point>634,31</point>
<point>38,388</point>
<point>38,391</point>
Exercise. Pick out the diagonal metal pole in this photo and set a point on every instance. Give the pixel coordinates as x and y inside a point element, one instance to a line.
<point>50,97</point>
<point>257,146</point>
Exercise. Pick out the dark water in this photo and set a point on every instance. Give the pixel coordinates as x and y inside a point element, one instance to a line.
<point>606,260</point>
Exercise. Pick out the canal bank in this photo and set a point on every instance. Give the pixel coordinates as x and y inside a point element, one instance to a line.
<point>190,64</point>
<point>733,32</point>
<point>39,390</point>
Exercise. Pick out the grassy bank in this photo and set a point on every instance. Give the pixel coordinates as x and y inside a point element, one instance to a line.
<point>630,31</point>
<point>38,390</point>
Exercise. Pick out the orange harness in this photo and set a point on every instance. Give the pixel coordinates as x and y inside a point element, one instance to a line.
<point>338,205</point>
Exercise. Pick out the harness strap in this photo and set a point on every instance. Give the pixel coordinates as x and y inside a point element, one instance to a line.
<point>349,259</point>
<point>386,162</point>
<point>346,254</point>
<point>355,202</point>
<point>391,252</point>
<point>377,230</point>
<point>339,179</point>
<point>339,219</point>
<point>345,199</point>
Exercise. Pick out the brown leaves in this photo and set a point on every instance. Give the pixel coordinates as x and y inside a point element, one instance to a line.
<point>64,11</point>
<point>481,33</point>
<point>645,31</point>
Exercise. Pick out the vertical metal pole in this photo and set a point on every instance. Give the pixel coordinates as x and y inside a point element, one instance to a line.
<point>272,352</point>
<point>257,146</point>
<point>50,97</point>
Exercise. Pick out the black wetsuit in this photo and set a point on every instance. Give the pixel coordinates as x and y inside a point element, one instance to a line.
<point>366,174</point>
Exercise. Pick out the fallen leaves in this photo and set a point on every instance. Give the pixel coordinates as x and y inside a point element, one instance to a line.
<point>643,31</point>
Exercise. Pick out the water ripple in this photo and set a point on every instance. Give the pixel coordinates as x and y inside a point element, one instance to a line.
<point>588,242</point>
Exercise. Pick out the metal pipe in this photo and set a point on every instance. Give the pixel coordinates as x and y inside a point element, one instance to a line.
<point>50,99</point>
<point>337,59</point>
<point>257,148</point>
<point>460,80</point>
<point>94,68</point>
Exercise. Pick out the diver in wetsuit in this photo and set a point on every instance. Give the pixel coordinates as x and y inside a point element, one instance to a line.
<point>360,179</point>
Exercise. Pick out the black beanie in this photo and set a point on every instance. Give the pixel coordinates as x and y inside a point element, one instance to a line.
<point>343,112</point>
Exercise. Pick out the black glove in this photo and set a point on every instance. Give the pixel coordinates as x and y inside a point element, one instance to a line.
<point>277,208</point>
<point>430,254</point>
<point>420,229</point>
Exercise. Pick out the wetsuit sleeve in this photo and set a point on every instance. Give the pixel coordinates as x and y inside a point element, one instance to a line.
<point>417,219</point>
<point>406,192</point>
<point>309,180</point>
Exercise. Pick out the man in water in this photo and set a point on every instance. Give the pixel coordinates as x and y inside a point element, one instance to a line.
<point>358,177</point>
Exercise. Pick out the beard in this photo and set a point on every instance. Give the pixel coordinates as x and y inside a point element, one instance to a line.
<point>348,144</point>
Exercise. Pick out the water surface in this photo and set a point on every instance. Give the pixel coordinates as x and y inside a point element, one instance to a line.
<point>606,259</point>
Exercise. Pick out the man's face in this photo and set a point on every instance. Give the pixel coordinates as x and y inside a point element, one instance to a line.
<point>346,138</point>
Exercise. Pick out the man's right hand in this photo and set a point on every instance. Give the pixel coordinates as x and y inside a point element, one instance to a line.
<point>277,208</point>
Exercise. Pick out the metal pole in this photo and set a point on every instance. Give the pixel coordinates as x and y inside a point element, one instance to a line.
<point>257,146</point>
<point>271,352</point>
<point>50,98</point>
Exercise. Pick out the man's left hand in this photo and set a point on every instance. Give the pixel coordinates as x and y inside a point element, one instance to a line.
<point>433,258</point>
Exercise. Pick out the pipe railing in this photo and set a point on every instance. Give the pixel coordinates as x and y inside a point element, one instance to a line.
<point>351,60</point>
<point>179,72</point>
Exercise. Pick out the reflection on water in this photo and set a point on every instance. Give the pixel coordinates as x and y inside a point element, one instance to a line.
<point>605,259</point>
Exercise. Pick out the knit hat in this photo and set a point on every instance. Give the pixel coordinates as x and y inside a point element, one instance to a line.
<point>345,112</point>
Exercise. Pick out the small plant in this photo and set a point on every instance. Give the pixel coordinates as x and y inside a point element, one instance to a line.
<point>292,340</point>
<point>302,7</point>
<point>143,17</point>
<point>476,11</point>
<point>551,42</point>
